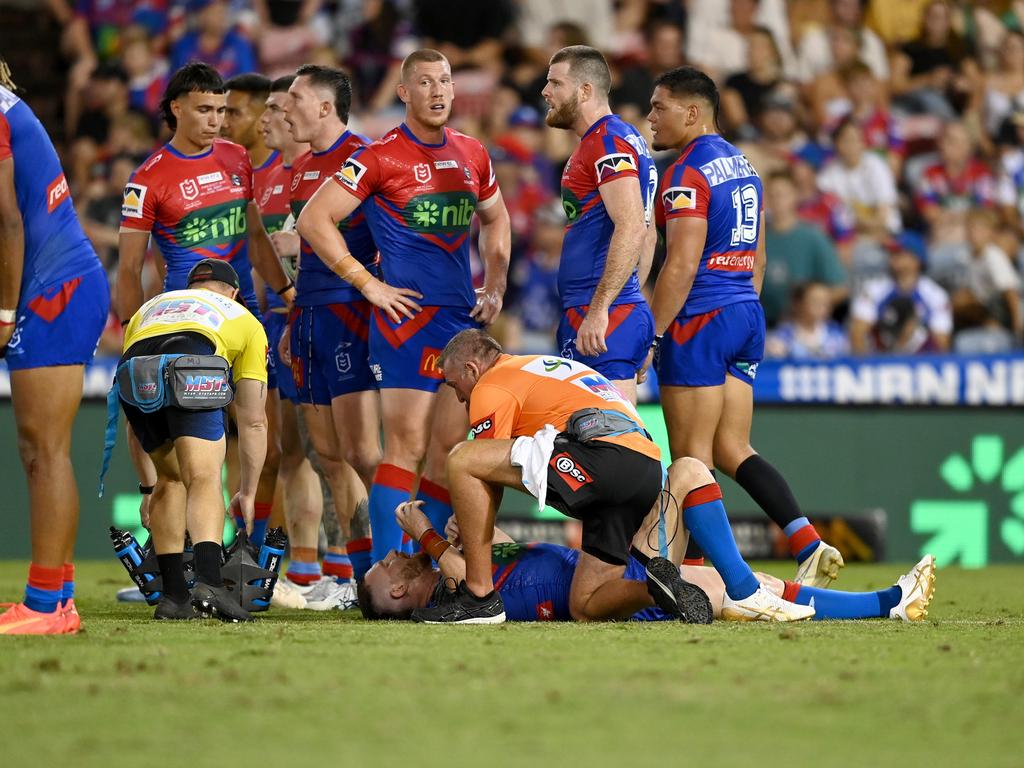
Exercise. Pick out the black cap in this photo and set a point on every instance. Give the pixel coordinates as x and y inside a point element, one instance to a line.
<point>213,269</point>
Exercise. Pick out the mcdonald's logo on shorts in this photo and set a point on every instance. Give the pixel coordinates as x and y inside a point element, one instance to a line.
<point>429,363</point>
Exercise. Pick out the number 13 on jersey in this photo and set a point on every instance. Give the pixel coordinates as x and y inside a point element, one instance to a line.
<point>746,205</point>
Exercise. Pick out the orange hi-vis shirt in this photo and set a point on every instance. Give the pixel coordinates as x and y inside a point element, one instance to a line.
<point>522,393</point>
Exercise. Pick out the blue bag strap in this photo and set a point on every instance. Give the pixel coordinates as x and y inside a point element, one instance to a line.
<point>662,532</point>
<point>110,436</point>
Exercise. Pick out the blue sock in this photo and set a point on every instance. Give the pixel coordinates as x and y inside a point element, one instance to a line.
<point>437,504</point>
<point>43,588</point>
<point>391,486</point>
<point>67,591</point>
<point>704,514</point>
<point>359,554</point>
<point>832,604</point>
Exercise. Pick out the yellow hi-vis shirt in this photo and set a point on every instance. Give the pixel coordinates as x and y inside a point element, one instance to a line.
<point>235,332</point>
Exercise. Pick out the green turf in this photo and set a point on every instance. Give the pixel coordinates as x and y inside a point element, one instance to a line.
<point>302,688</point>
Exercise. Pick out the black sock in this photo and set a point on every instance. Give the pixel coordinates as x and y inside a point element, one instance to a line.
<point>172,569</point>
<point>769,490</point>
<point>208,562</point>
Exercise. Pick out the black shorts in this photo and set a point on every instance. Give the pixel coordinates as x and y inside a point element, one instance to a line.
<point>155,429</point>
<point>606,486</point>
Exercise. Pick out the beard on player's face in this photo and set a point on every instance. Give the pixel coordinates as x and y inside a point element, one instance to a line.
<point>564,115</point>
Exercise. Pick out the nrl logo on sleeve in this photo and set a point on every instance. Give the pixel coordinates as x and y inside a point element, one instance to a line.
<point>679,198</point>
<point>609,165</point>
<point>134,197</point>
<point>350,174</point>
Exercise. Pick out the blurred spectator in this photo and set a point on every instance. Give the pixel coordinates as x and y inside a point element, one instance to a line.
<point>810,333</point>
<point>214,41</point>
<point>105,100</point>
<point>538,18</point>
<point>1004,87</point>
<point>521,189</point>
<point>744,92</point>
<point>867,105</point>
<point>797,252</point>
<point>904,313</point>
<point>101,209</point>
<point>936,72</point>
<point>815,54</point>
<point>289,31</point>
<point>780,141</point>
<point>468,32</point>
<point>717,34</point>
<point>373,50</point>
<point>535,308</point>
<point>664,52</point>
<point>944,194</point>
<point>896,23</point>
<point>147,73</point>
<point>988,301</point>
<point>823,210</point>
<point>863,181</point>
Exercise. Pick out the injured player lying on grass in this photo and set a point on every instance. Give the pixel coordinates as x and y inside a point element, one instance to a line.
<point>534,580</point>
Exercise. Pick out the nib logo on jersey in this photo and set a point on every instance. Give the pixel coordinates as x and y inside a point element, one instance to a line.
<point>443,213</point>
<point>215,225</point>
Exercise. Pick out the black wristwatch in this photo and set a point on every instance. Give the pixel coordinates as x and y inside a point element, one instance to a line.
<point>146,490</point>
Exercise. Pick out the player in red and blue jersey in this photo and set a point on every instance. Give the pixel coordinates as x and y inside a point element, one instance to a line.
<point>419,187</point>
<point>328,340</point>
<point>534,582</point>
<point>194,196</point>
<point>608,189</point>
<point>708,319</point>
<point>54,302</point>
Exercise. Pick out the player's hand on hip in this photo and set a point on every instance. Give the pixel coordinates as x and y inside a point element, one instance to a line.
<point>286,244</point>
<point>488,305</point>
<point>6,332</point>
<point>641,375</point>
<point>284,347</point>
<point>394,301</point>
<point>244,506</point>
<point>144,505</point>
<point>288,297</point>
<point>590,336</point>
<point>410,518</point>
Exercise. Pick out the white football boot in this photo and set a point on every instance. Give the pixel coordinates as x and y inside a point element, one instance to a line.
<point>764,606</point>
<point>821,568</point>
<point>286,595</point>
<point>918,588</point>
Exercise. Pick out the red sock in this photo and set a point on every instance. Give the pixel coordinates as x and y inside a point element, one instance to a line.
<point>790,591</point>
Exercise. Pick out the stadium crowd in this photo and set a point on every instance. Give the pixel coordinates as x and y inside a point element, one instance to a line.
<point>890,136</point>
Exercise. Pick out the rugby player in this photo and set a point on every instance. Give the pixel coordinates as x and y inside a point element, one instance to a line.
<point>301,486</point>
<point>564,433</point>
<point>608,189</point>
<point>54,301</point>
<point>194,195</point>
<point>187,446</point>
<point>421,183</point>
<point>244,102</point>
<point>329,331</point>
<point>534,581</point>
<point>708,319</point>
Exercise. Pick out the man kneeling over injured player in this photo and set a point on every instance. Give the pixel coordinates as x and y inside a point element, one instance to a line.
<point>534,582</point>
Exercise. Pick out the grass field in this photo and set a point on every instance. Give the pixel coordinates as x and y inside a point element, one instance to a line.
<point>309,688</point>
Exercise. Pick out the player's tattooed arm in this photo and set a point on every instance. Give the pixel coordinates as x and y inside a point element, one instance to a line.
<point>623,200</point>
<point>12,250</point>
<point>495,252</point>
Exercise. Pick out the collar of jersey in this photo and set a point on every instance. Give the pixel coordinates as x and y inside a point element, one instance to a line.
<point>176,153</point>
<point>412,137</point>
<point>333,146</point>
<point>269,161</point>
<point>599,122</point>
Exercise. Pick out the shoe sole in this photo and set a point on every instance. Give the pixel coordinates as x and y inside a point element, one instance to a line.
<point>499,619</point>
<point>207,607</point>
<point>733,614</point>
<point>678,597</point>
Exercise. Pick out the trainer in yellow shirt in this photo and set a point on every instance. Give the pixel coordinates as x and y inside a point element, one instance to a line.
<point>184,435</point>
<point>603,469</point>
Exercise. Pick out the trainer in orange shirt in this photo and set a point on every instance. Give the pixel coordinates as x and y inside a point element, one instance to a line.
<point>609,479</point>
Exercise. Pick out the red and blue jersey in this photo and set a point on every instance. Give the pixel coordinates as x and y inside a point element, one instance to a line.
<point>195,207</point>
<point>974,186</point>
<point>712,180</point>
<point>610,149</point>
<point>56,248</point>
<point>317,283</point>
<point>420,199</point>
<point>270,191</point>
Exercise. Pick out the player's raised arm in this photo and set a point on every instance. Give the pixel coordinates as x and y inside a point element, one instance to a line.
<point>264,257</point>
<point>684,244</point>
<point>623,200</point>
<point>495,251</point>
<point>12,247</point>
<point>131,255</point>
<point>318,225</point>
